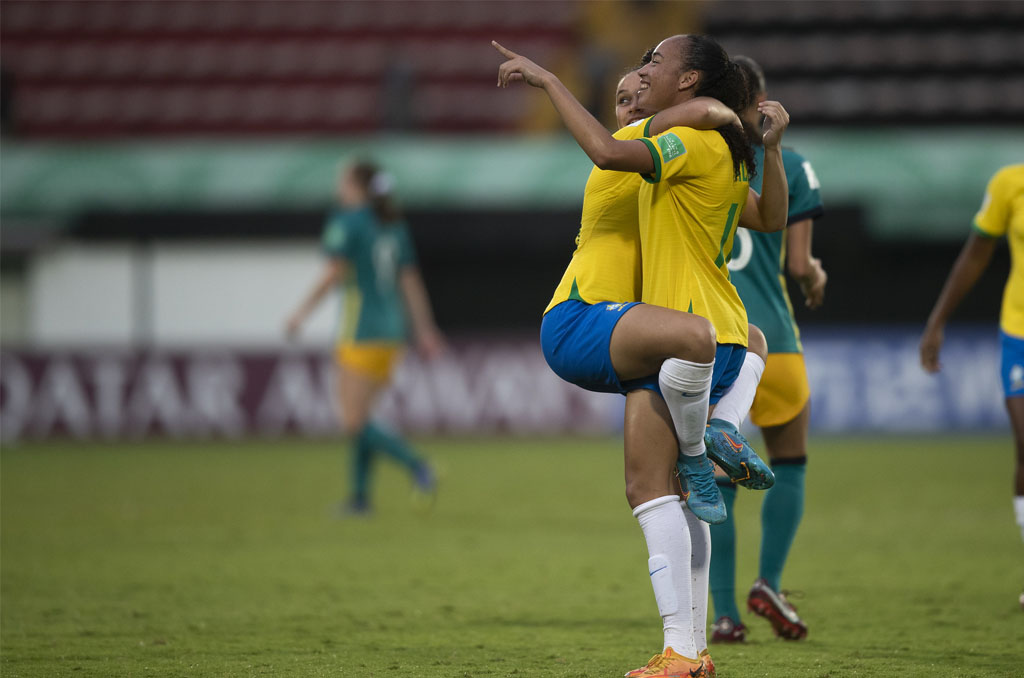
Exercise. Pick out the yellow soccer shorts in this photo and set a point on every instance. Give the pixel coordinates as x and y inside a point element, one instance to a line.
<point>783,390</point>
<point>375,359</point>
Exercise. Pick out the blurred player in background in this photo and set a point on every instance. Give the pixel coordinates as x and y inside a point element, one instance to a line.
<point>622,347</point>
<point>1001,214</point>
<point>781,407</point>
<point>371,261</point>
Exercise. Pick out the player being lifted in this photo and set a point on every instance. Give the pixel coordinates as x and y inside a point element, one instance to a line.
<point>781,407</point>
<point>1001,214</point>
<point>666,342</point>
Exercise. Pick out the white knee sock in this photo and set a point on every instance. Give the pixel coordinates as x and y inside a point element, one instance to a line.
<point>700,567</point>
<point>686,388</point>
<point>668,544</point>
<point>735,404</point>
<point>1018,508</point>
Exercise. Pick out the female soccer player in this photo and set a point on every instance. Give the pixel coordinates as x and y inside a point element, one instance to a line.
<point>370,258</point>
<point>618,346</point>
<point>781,406</point>
<point>1001,213</point>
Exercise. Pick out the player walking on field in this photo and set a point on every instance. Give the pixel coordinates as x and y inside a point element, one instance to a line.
<point>1001,214</point>
<point>620,346</point>
<point>371,260</point>
<point>781,407</point>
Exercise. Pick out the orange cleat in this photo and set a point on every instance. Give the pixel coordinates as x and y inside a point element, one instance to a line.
<point>671,665</point>
<point>709,666</point>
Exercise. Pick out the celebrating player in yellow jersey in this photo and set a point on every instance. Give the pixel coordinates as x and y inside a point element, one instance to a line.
<point>1001,214</point>
<point>646,339</point>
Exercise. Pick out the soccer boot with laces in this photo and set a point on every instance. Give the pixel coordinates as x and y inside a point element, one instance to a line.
<point>780,613</point>
<point>697,476</point>
<point>668,664</point>
<point>725,630</point>
<point>728,448</point>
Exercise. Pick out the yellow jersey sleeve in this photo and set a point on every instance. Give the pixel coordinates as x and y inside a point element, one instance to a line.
<point>993,218</point>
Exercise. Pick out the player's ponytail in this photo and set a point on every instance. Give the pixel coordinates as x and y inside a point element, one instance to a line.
<point>379,188</point>
<point>724,80</point>
<point>756,86</point>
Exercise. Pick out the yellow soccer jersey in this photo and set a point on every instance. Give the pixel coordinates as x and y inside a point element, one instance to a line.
<point>1002,213</point>
<point>606,263</point>
<point>689,208</point>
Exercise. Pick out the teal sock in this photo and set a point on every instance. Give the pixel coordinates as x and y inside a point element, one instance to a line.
<point>362,458</point>
<point>392,445</point>
<point>722,578</point>
<point>780,516</point>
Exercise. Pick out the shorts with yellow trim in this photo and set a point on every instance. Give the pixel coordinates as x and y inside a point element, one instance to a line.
<point>375,359</point>
<point>783,390</point>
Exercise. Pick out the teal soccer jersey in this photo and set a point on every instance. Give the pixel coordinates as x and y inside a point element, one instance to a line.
<point>372,307</point>
<point>758,259</point>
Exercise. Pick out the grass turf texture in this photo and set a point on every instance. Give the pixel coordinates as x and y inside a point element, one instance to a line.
<point>225,560</point>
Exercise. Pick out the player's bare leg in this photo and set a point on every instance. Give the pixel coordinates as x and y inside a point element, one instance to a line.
<point>650,458</point>
<point>358,393</point>
<point>1015,407</point>
<point>680,349</point>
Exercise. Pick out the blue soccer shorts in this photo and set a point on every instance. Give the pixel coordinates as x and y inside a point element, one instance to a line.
<point>1012,365</point>
<point>576,338</point>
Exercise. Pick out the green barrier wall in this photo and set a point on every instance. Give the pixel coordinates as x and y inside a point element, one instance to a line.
<point>911,183</point>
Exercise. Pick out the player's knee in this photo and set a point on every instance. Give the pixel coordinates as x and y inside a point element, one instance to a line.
<point>756,343</point>
<point>701,341</point>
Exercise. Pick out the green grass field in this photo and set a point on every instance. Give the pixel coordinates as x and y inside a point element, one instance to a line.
<point>226,560</point>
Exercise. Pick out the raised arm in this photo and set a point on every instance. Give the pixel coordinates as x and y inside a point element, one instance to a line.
<point>968,267</point>
<point>329,277</point>
<point>421,316</point>
<point>772,206</point>
<point>604,150</point>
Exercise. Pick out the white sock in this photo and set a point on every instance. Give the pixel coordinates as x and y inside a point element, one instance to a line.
<point>1018,508</point>
<point>700,568</point>
<point>686,388</point>
<point>735,404</point>
<point>668,544</point>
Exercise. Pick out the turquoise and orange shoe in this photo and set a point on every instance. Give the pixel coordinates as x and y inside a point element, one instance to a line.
<point>728,448</point>
<point>697,476</point>
<point>671,665</point>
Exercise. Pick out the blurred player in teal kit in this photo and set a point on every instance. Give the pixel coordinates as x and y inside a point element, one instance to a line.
<point>781,406</point>
<point>371,260</point>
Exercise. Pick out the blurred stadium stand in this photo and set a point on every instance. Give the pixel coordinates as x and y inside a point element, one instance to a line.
<point>111,68</point>
<point>900,61</point>
<point>102,68</point>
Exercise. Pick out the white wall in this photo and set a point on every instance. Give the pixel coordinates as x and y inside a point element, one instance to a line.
<point>174,293</point>
<point>81,294</point>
